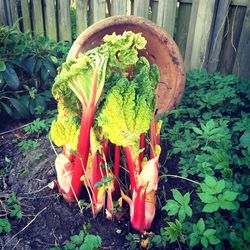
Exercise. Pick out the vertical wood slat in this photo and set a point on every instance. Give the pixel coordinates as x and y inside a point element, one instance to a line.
<point>37,17</point>
<point>14,13</point>
<point>81,16</point>
<point>64,23</point>
<point>8,13</point>
<point>242,62</point>
<point>199,33</point>
<point>217,36</point>
<point>166,15</point>
<point>131,4</point>
<point>3,17</point>
<point>231,41</point>
<point>141,8</point>
<point>25,8</point>
<point>50,19</point>
<point>154,8</point>
<point>98,10</point>
<point>118,7</point>
<point>183,26</point>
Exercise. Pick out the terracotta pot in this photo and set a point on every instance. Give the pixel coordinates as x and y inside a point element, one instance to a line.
<point>160,49</point>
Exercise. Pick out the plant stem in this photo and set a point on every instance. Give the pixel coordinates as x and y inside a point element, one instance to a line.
<point>131,166</point>
<point>83,150</point>
<point>117,161</point>
<point>180,177</point>
<point>141,155</point>
<point>153,136</point>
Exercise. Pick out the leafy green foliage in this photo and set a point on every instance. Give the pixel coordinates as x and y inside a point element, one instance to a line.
<point>180,205</point>
<point>103,182</point>
<point>12,209</point>
<point>209,136</point>
<point>172,232</point>
<point>37,127</point>
<point>127,111</point>
<point>133,240</point>
<point>5,226</point>
<point>216,196</point>
<point>27,69</point>
<point>14,206</point>
<point>27,145</point>
<point>82,241</point>
<point>202,235</point>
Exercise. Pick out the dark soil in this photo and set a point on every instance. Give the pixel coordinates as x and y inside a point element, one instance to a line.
<point>47,219</point>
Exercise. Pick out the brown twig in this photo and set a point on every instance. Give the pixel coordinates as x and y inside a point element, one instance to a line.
<point>14,129</point>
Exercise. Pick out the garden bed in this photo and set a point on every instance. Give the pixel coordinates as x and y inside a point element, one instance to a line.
<point>47,220</point>
<point>202,199</point>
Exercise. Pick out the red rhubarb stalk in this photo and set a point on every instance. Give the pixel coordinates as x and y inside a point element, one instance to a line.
<point>132,168</point>
<point>138,219</point>
<point>89,103</point>
<point>117,160</point>
<point>83,151</point>
<point>105,146</point>
<point>141,155</point>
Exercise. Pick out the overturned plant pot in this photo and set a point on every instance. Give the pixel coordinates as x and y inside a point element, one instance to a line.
<point>160,49</point>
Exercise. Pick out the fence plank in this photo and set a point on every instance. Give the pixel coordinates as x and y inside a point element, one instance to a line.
<point>231,42</point>
<point>217,36</point>
<point>14,13</point>
<point>118,7</point>
<point>3,17</point>
<point>185,1</point>
<point>50,19</point>
<point>242,62</point>
<point>182,26</point>
<point>233,2</point>
<point>37,17</point>
<point>166,15</point>
<point>98,10</point>
<point>141,8</point>
<point>199,33</point>
<point>154,8</point>
<point>81,16</point>
<point>240,2</point>
<point>64,23</point>
<point>25,8</point>
<point>131,4</point>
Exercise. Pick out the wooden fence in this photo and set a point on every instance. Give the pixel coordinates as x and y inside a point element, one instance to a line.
<point>211,34</point>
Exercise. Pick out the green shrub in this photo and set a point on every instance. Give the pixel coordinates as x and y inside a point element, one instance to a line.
<point>28,66</point>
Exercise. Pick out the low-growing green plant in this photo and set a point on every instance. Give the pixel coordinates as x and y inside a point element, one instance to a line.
<point>173,232</point>
<point>169,234</point>
<point>215,195</point>
<point>10,208</point>
<point>37,127</point>
<point>133,240</point>
<point>202,235</point>
<point>209,136</point>
<point>27,144</point>
<point>82,241</point>
<point>5,226</point>
<point>180,205</point>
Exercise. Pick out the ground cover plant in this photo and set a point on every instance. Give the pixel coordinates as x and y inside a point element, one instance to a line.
<point>202,199</point>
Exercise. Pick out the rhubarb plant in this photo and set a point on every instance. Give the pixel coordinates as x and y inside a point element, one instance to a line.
<point>107,104</point>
